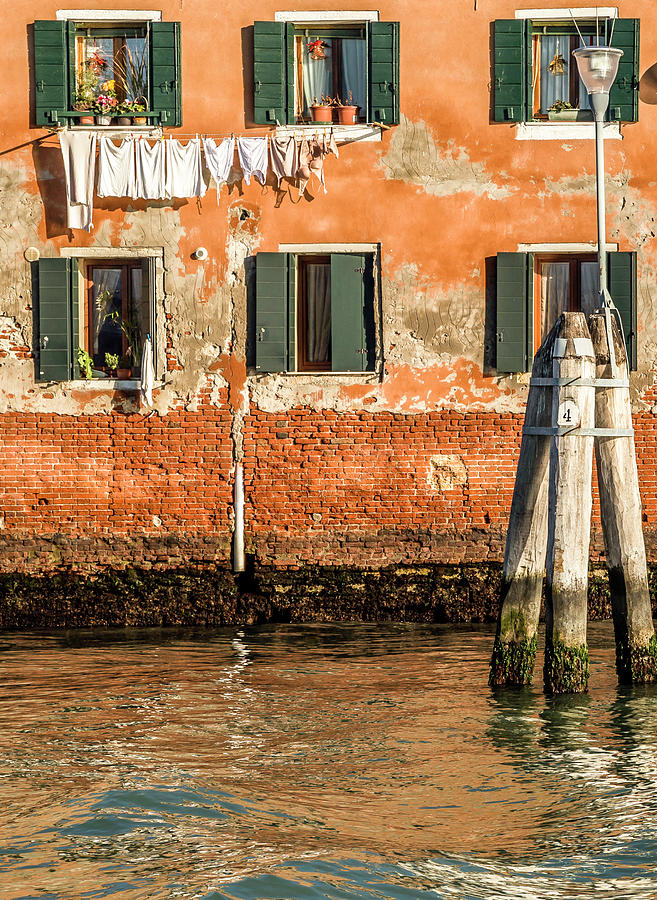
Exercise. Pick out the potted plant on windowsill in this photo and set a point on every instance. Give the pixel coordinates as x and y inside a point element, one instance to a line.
<point>347,111</point>
<point>322,110</point>
<point>112,363</point>
<point>562,111</point>
<point>106,103</point>
<point>124,370</point>
<point>127,113</point>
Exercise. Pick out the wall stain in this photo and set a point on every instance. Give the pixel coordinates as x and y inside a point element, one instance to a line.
<point>442,170</point>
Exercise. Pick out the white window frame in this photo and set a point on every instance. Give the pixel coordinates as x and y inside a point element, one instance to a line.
<point>559,131</point>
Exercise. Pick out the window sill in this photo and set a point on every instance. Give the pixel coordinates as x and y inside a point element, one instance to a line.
<point>565,131</point>
<point>344,134</point>
<point>370,375</point>
<point>104,384</point>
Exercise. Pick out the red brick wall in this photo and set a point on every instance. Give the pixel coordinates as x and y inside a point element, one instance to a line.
<point>321,487</point>
<point>327,487</point>
<point>95,483</point>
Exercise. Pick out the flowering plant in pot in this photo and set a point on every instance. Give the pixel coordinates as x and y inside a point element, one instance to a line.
<point>322,110</point>
<point>347,111</point>
<point>128,113</point>
<point>106,103</point>
<point>86,83</point>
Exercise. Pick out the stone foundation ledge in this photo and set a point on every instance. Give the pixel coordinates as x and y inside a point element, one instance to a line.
<point>211,595</point>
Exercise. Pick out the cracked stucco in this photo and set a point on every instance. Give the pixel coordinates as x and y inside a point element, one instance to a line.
<point>439,169</point>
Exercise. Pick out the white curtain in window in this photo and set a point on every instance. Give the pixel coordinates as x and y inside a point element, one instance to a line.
<point>354,72</point>
<point>589,280</point>
<point>318,312</point>
<point>553,86</point>
<point>555,293</point>
<point>107,289</point>
<point>316,73</point>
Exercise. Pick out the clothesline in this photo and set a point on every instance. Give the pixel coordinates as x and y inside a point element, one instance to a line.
<point>170,168</point>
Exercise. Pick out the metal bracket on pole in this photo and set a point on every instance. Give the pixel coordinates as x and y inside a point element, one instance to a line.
<point>556,430</point>
<point>581,382</point>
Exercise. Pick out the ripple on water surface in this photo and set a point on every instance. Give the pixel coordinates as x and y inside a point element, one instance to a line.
<point>317,762</point>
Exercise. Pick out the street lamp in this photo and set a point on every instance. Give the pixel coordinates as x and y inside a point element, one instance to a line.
<point>598,67</point>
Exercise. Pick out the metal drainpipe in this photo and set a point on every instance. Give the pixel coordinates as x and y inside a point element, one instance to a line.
<point>238,533</point>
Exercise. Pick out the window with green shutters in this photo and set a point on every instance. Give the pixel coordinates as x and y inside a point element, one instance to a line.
<point>535,76</point>
<point>296,64</point>
<point>533,289</point>
<point>104,306</point>
<point>75,63</point>
<point>314,312</point>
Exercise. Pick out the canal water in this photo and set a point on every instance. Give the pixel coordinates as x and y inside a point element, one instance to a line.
<point>295,762</point>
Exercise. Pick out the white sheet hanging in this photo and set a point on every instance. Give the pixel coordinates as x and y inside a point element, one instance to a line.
<point>252,152</point>
<point>184,174</point>
<point>219,159</point>
<point>79,156</point>
<point>116,168</point>
<point>150,177</point>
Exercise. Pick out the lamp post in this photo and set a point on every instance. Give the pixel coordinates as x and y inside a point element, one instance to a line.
<point>598,67</point>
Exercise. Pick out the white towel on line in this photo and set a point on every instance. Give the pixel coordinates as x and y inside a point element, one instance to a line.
<point>219,159</point>
<point>150,180</point>
<point>147,372</point>
<point>184,174</point>
<point>116,168</point>
<point>79,156</point>
<point>253,157</point>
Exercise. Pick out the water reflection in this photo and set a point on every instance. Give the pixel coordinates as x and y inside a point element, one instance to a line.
<point>319,761</point>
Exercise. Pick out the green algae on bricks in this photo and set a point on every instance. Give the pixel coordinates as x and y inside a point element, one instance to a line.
<point>512,663</point>
<point>637,663</point>
<point>566,669</point>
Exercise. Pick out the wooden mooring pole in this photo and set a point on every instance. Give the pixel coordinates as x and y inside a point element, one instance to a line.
<point>566,668</point>
<point>620,512</point>
<point>514,651</point>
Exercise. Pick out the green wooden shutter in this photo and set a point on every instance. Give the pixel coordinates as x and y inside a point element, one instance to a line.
<point>510,70</point>
<point>275,312</point>
<point>273,73</point>
<point>351,338</point>
<point>622,287</point>
<point>624,93</point>
<point>58,318</point>
<point>515,312</point>
<point>383,86</point>
<point>50,71</point>
<point>165,71</point>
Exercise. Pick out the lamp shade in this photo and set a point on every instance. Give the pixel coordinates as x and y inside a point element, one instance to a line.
<point>598,66</point>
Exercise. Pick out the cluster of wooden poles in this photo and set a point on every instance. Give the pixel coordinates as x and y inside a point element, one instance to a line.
<point>578,400</point>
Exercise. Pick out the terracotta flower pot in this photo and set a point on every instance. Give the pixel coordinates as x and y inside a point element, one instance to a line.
<point>139,120</point>
<point>86,120</point>
<point>123,373</point>
<point>322,113</point>
<point>348,115</point>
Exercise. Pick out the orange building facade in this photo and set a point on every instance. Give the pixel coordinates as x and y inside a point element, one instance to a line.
<point>359,355</point>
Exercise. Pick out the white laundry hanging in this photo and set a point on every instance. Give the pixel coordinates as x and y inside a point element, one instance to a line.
<point>150,181</point>
<point>147,372</point>
<point>79,156</point>
<point>184,174</point>
<point>252,152</point>
<point>219,159</point>
<point>116,168</point>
